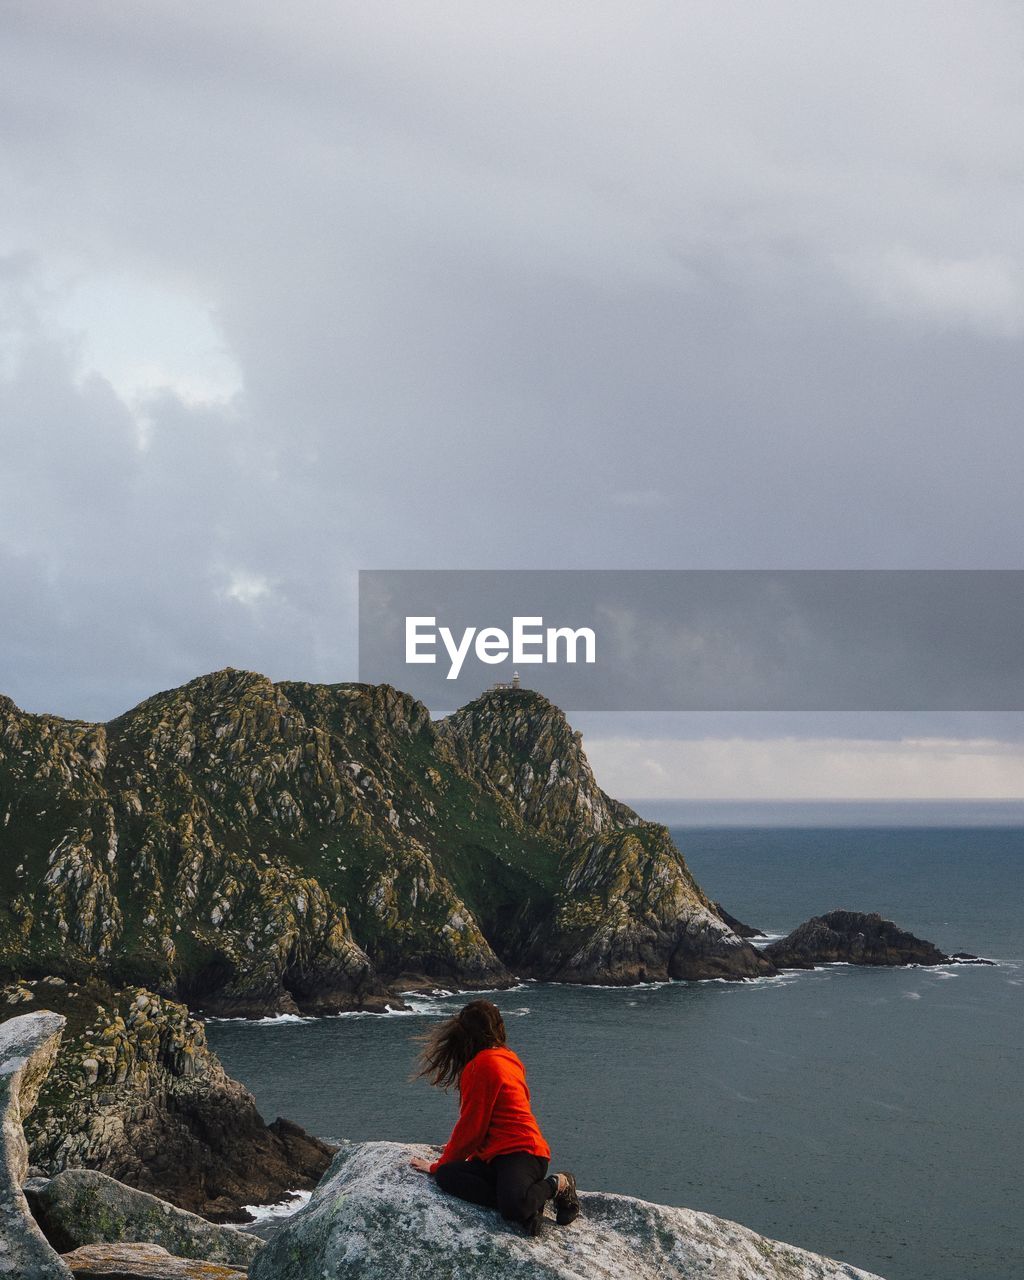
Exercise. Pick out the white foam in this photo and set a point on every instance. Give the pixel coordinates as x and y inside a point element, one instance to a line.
<point>615,986</point>
<point>294,1201</point>
<point>271,1020</point>
<point>386,1012</point>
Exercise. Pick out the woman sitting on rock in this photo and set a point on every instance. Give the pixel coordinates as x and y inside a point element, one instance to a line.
<point>496,1155</point>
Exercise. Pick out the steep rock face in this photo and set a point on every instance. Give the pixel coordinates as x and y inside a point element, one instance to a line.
<point>852,937</point>
<point>737,926</point>
<point>253,848</point>
<point>135,1093</point>
<point>521,746</point>
<point>28,1048</point>
<point>372,1218</point>
<point>627,908</point>
<point>209,841</point>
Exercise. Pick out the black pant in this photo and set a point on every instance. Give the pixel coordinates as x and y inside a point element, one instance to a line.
<point>515,1184</point>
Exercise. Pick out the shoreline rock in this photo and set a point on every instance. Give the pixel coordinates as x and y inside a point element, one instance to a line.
<point>851,937</point>
<point>136,1093</point>
<point>740,929</point>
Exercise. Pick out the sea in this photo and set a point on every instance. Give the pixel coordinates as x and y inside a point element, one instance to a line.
<point>874,1115</point>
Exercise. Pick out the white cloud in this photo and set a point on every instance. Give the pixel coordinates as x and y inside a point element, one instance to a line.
<point>247,588</point>
<point>982,293</point>
<point>809,768</point>
<point>144,338</point>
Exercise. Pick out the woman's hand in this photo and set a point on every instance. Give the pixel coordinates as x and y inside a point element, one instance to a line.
<point>419,1164</point>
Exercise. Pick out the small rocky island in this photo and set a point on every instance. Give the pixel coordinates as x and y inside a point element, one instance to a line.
<point>370,1218</point>
<point>856,937</point>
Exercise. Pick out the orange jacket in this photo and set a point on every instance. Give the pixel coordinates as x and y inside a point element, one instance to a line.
<point>494,1111</point>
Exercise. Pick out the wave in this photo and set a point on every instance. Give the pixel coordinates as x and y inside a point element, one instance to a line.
<point>293,1202</point>
<point>271,1020</point>
<point>617,986</point>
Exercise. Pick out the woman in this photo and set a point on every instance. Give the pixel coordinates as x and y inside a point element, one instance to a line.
<point>496,1155</point>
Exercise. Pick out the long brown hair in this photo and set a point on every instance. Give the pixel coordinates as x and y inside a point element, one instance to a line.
<point>447,1050</point>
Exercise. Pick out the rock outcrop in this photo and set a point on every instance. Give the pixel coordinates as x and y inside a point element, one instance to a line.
<point>626,907</point>
<point>373,1218</point>
<point>81,1207</point>
<point>88,1205</point>
<point>135,1092</point>
<point>28,1049</point>
<point>143,1262</point>
<point>253,848</point>
<point>851,937</point>
<point>740,929</point>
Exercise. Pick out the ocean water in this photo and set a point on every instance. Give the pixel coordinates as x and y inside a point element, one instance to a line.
<point>874,1115</point>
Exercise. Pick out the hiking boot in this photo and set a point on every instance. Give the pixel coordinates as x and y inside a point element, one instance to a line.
<point>567,1202</point>
<point>532,1226</point>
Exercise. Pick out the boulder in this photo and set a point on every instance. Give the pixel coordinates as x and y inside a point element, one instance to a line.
<point>83,1207</point>
<point>142,1262</point>
<point>374,1218</point>
<point>851,937</point>
<point>28,1047</point>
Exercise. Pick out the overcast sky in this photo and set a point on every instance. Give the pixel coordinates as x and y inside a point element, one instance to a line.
<point>289,291</point>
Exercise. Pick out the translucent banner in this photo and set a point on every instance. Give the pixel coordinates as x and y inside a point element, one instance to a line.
<point>700,640</point>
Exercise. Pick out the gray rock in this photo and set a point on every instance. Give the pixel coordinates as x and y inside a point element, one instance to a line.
<point>374,1218</point>
<point>142,1262</point>
<point>851,937</point>
<point>83,1207</point>
<point>28,1047</point>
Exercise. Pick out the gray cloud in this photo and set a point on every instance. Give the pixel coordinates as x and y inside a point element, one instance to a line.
<point>531,285</point>
<point>712,640</point>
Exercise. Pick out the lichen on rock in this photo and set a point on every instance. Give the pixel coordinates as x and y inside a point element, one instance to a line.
<point>373,1218</point>
<point>28,1049</point>
<point>255,848</point>
<point>135,1092</point>
<point>82,1207</point>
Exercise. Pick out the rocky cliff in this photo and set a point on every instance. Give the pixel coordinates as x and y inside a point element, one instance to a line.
<point>253,847</point>
<point>135,1093</point>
